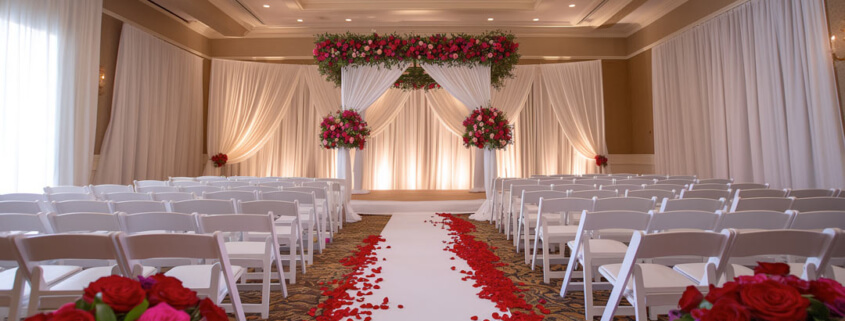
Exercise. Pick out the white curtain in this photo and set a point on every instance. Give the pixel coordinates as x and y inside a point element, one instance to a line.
<point>156,125</point>
<point>246,103</point>
<point>385,110</point>
<point>575,93</point>
<point>751,95</point>
<point>49,53</point>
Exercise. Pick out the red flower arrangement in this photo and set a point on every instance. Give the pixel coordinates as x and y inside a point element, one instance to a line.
<point>344,129</point>
<point>117,298</point>
<point>771,294</point>
<point>487,127</point>
<point>219,160</point>
<point>601,160</point>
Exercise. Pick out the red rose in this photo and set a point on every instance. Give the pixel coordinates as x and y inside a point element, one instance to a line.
<point>170,290</point>
<point>770,300</point>
<point>40,317</point>
<point>827,290</point>
<point>726,310</point>
<point>72,315</point>
<point>771,268</point>
<point>690,299</point>
<point>803,286</point>
<point>730,290</point>
<point>120,293</point>
<point>212,312</point>
<point>748,279</point>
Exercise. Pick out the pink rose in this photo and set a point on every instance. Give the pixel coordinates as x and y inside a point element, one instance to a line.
<point>164,312</point>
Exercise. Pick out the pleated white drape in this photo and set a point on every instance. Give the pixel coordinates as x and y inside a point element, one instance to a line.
<point>49,53</point>
<point>448,109</point>
<point>751,95</point>
<point>574,91</point>
<point>246,104</point>
<point>156,122</point>
<point>385,110</point>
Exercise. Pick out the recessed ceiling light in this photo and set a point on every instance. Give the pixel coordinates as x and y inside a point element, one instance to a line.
<point>572,5</point>
<point>266,6</point>
<point>536,19</point>
<point>298,20</point>
<point>489,19</point>
<point>348,20</point>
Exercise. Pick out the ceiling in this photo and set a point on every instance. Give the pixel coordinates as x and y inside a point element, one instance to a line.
<point>304,18</point>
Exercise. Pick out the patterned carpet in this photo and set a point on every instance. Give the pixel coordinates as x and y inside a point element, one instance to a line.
<point>305,294</point>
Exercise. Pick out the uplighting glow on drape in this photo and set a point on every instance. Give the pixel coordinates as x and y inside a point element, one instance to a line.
<point>751,95</point>
<point>49,53</point>
<point>156,125</point>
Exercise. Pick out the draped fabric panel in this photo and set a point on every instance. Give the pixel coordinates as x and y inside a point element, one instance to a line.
<point>156,122</point>
<point>245,106</point>
<point>385,110</point>
<point>49,55</point>
<point>751,95</point>
<point>574,91</point>
<point>448,109</point>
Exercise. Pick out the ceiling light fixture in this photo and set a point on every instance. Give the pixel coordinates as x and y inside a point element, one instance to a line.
<point>489,19</point>
<point>348,20</point>
<point>298,20</point>
<point>536,19</point>
<point>572,5</point>
<point>266,6</point>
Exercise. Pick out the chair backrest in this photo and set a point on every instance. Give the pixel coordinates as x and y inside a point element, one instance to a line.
<point>553,181</point>
<point>678,181</point>
<point>565,205</point>
<point>691,204</point>
<point>157,221</point>
<point>198,190</point>
<point>649,193</point>
<point>507,183</point>
<point>278,208</point>
<point>813,245</point>
<point>230,195</point>
<point>722,181</point>
<point>149,183</point>
<point>242,178</point>
<point>812,204</point>
<point>173,196</point>
<point>24,207</point>
<point>736,186</point>
<point>761,192</point>
<point>698,220</point>
<point>629,220</point>
<point>594,193</point>
<point>818,220</point>
<point>38,248</point>
<point>651,176</point>
<point>720,187</point>
<point>573,187</point>
<point>518,189</point>
<point>594,181</point>
<point>82,206</point>
<point>779,204</point>
<point>261,180</point>
<point>127,196</point>
<point>319,193</point>
<point>210,178</point>
<point>204,206</point>
<point>66,189</point>
<point>182,179</point>
<point>186,183</point>
<point>70,197</point>
<point>635,181</point>
<point>686,177</point>
<point>533,197</point>
<point>157,189</point>
<point>23,197</point>
<point>110,188</point>
<point>706,193</point>
<point>132,207</point>
<point>25,223</point>
<point>83,222</point>
<point>278,184</point>
<point>805,193</point>
<point>676,188</point>
<point>259,223</point>
<point>134,248</point>
<point>757,220</point>
<point>254,189</point>
<point>624,204</point>
<point>304,198</point>
<point>228,184</point>
<point>621,187</point>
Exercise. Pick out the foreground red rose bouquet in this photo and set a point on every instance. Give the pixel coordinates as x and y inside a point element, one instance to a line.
<point>487,127</point>
<point>219,160</point>
<point>601,160</point>
<point>344,129</point>
<point>117,298</point>
<point>771,294</point>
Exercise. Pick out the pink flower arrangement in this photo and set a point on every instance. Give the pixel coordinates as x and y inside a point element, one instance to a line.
<point>487,127</point>
<point>344,129</point>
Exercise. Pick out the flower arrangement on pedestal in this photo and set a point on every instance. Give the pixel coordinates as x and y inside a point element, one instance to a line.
<point>601,161</point>
<point>771,294</point>
<point>487,127</point>
<point>117,298</point>
<point>344,129</point>
<point>219,160</point>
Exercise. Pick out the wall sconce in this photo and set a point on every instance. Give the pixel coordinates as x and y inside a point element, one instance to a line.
<point>102,80</point>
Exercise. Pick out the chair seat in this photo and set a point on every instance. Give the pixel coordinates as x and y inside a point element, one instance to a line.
<point>199,276</point>
<point>694,272</point>
<point>303,218</point>
<point>80,280</point>
<point>561,230</point>
<point>838,274</point>
<point>601,248</point>
<point>656,277</point>
<point>243,249</point>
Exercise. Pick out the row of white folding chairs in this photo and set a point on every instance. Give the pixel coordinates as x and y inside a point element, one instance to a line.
<point>648,286</point>
<point>49,281</point>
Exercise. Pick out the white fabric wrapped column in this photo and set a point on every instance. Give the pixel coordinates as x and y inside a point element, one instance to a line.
<point>360,87</point>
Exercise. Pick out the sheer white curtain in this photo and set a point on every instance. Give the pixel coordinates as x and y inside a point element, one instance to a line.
<point>246,103</point>
<point>49,53</point>
<point>574,91</point>
<point>751,95</point>
<point>448,109</point>
<point>385,109</point>
<point>156,122</point>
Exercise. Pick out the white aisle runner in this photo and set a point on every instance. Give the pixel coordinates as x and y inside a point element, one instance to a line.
<point>418,275</point>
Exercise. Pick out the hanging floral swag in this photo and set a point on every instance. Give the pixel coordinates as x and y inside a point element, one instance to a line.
<point>344,129</point>
<point>487,127</point>
<point>415,78</point>
<point>495,49</point>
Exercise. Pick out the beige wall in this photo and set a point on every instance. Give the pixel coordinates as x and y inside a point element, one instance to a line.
<point>684,15</point>
<point>158,23</point>
<point>109,40</point>
<point>617,106</point>
<point>642,115</point>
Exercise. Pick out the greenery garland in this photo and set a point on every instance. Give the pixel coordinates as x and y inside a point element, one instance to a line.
<point>495,49</point>
<point>415,78</point>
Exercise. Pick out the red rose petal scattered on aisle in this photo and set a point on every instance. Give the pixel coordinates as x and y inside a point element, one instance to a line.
<point>401,306</point>
<point>542,301</point>
<point>474,318</point>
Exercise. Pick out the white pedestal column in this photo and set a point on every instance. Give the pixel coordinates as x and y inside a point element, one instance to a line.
<point>478,172</point>
<point>357,173</point>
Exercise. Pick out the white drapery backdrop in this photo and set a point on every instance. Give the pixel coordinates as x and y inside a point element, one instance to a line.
<point>751,95</point>
<point>49,53</point>
<point>156,124</point>
<point>246,103</point>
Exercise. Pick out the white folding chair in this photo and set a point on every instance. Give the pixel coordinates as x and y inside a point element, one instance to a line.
<point>528,214</point>
<point>156,189</point>
<point>512,211</point>
<point>198,190</point>
<point>818,220</point>
<point>186,183</point>
<point>624,204</point>
<point>504,204</point>
<point>288,229</point>
<point>779,204</point>
<point>659,195</point>
<point>718,187</point>
<point>251,254</point>
<point>241,196</point>
<point>635,181</point>
<point>59,197</point>
<point>173,196</point>
<point>706,193</point>
<point>83,222</point>
<point>228,184</point>
<point>132,207</point>
<point>210,178</point>
<point>573,187</point>
<point>556,235</point>
<point>12,283</point>
<point>833,268</point>
<point>621,187</point>
<point>181,179</point>
<point>591,252</point>
<point>204,206</point>
<point>683,220</point>
<point>149,183</point>
<point>66,189</point>
<point>722,181</point>
<point>323,205</point>
<point>675,188</point>
<point>692,204</point>
<point>159,222</point>
<point>260,180</point>
<point>594,181</point>
<point>678,181</point>
<point>99,190</point>
<point>23,197</point>
<point>652,285</point>
<point>307,216</point>
<point>209,280</point>
<point>24,207</point>
<point>812,204</point>
<point>756,220</point>
<point>255,189</point>
<point>33,251</point>
<point>653,177</point>
<point>594,193</point>
<point>736,186</point>
<point>126,196</point>
<point>242,178</point>
<point>82,206</point>
<point>278,185</point>
<point>805,193</point>
<point>761,192</point>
